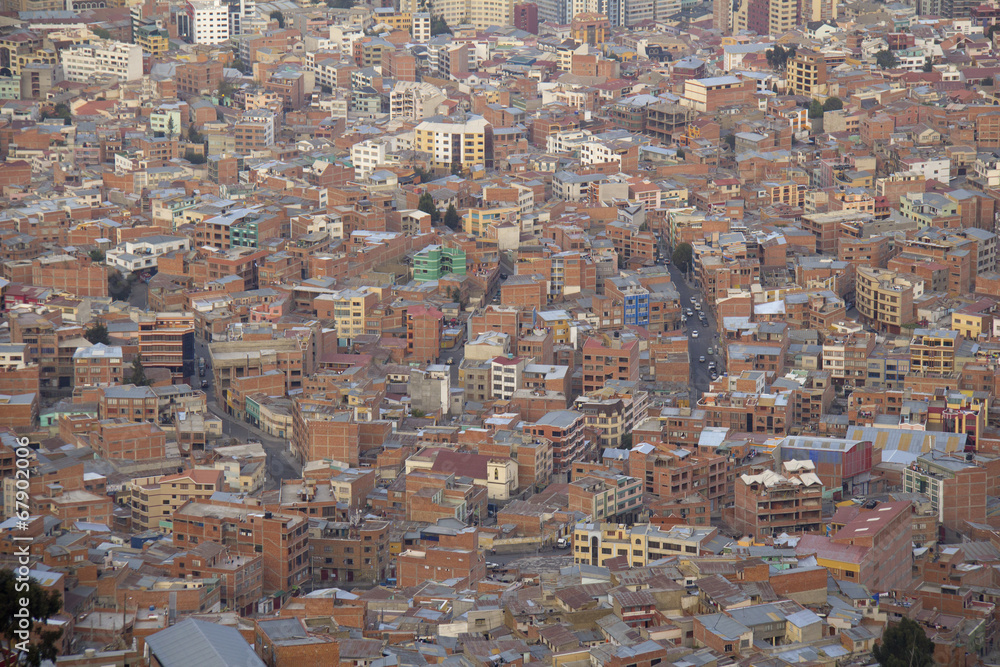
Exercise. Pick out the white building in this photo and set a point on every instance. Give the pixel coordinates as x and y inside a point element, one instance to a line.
<point>414,99</point>
<point>83,62</point>
<point>241,16</point>
<point>207,21</point>
<point>368,156</point>
<point>143,253</point>
<point>421,27</point>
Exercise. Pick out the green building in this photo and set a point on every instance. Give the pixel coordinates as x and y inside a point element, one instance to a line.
<point>434,261</point>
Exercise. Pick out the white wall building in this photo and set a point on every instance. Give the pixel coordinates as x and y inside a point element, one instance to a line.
<point>82,62</point>
<point>143,253</point>
<point>207,21</point>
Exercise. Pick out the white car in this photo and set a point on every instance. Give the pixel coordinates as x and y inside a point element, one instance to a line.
<point>694,333</point>
<point>702,358</point>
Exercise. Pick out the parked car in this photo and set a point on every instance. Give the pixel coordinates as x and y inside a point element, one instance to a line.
<point>204,384</point>
<point>562,543</point>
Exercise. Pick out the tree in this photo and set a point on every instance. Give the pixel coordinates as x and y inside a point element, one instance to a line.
<point>171,127</point>
<point>119,288</point>
<point>41,604</point>
<point>626,441</point>
<point>339,4</point>
<point>138,377</point>
<point>194,136</point>
<point>682,256</point>
<point>730,141</point>
<point>426,204</point>
<point>439,26</point>
<point>456,168</point>
<point>680,153</point>
<point>226,88</point>
<point>101,32</point>
<point>452,219</point>
<point>61,110</point>
<point>905,645</point>
<point>98,334</point>
<point>778,57</point>
<point>97,255</point>
<point>990,30</point>
<point>833,104</point>
<point>885,59</point>
<point>279,17</point>
<point>419,414</point>
<point>815,109</point>
<point>928,66</point>
<point>195,157</point>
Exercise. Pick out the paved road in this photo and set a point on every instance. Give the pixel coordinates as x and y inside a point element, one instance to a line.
<point>280,462</point>
<point>697,347</point>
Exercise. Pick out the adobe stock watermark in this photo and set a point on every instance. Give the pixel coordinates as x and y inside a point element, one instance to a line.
<point>22,481</point>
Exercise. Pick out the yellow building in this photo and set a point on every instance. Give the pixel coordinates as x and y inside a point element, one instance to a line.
<point>477,221</point>
<point>933,350</point>
<point>971,325</point>
<point>465,144</point>
<point>155,499</point>
<point>558,321</point>
<point>153,39</point>
<point>395,20</point>
<point>242,476</point>
<point>593,543</point>
<point>348,309</point>
<point>806,74</point>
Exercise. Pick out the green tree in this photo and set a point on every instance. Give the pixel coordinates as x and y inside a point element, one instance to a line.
<point>226,89</point>
<point>778,57</point>
<point>990,30</point>
<point>138,377</point>
<point>439,26</point>
<point>905,645</point>
<point>171,127</point>
<point>815,109</point>
<point>426,204</point>
<point>833,104</point>
<point>97,255</point>
<point>195,157</point>
<point>456,168</point>
<point>680,153</point>
<point>98,334</point>
<point>730,141</point>
<point>101,32</point>
<point>279,17</point>
<point>452,219</point>
<point>41,605</point>
<point>339,4</point>
<point>885,59</point>
<point>194,136</point>
<point>419,414</point>
<point>119,288</point>
<point>928,66</point>
<point>682,256</point>
<point>626,441</point>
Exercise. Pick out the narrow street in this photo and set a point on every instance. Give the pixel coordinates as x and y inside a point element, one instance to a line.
<point>281,464</point>
<point>707,335</point>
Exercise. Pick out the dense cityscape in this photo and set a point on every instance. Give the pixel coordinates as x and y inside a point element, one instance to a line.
<point>549,333</point>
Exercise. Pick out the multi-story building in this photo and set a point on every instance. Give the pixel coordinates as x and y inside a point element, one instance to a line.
<point>82,63</point>
<point>609,358</point>
<point>885,298</point>
<point>344,553</point>
<point>565,430</point>
<point>770,503</point>
<point>956,487</point>
<point>348,309</point>
<point>255,131</point>
<point>595,543</point>
<point>845,357</point>
<point>466,144</point>
<point>281,539</point>
<point>98,364</point>
<point>128,402</point>
<point>155,499</point>
<point>205,22</point>
<point>806,74</point>
<point>434,261</point>
<point>933,350</point>
<point>423,333</point>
